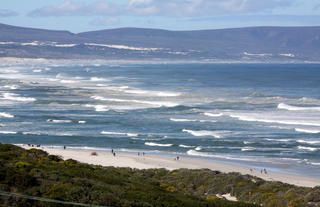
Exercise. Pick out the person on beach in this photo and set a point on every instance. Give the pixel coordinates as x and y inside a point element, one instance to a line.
<point>138,153</point>
<point>112,151</point>
<point>64,147</point>
<point>114,154</point>
<point>143,153</point>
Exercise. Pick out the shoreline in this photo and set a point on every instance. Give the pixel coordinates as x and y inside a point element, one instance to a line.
<point>149,161</point>
<point>17,60</point>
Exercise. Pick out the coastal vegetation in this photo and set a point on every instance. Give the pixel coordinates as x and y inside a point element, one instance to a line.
<point>35,174</point>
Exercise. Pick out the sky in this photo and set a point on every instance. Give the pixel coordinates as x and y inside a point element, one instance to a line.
<point>88,15</point>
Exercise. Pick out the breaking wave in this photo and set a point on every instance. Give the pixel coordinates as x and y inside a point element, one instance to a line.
<point>203,133</point>
<point>16,97</point>
<point>157,144</point>
<point>297,108</point>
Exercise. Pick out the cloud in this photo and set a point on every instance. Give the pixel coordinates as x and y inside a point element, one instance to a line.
<point>164,8</point>
<point>196,8</point>
<point>7,13</point>
<point>73,8</point>
<point>317,7</point>
<point>105,21</point>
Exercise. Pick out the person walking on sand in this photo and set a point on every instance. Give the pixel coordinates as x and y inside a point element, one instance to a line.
<point>114,154</point>
<point>64,147</point>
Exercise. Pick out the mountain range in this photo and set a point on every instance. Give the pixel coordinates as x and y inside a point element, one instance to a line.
<point>251,44</point>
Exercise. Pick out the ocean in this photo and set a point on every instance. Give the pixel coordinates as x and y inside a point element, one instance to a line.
<point>255,115</point>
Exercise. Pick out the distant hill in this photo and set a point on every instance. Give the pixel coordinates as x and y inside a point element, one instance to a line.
<point>262,44</point>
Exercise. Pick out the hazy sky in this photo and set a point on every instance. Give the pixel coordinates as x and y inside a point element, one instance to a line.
<point>81,15</point>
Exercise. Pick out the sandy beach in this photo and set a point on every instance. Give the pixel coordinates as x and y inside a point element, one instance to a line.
<point>154,161</point>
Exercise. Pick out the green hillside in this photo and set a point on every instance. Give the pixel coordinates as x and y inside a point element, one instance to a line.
<point>29,177</point>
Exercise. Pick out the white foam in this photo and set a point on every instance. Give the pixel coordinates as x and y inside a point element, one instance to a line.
<point>7,132</point>
<point>311,131</point>
<point>68,81</point>
<point>153,93</point>
<point>314,163</point>
<point>306,99</point>
<point>213,115</point>
<point>198,148</point>
<point>12,87</point>
<point>279,140</point>
<point>247,142</point>
<point>53,79</point>
<point>16,97</point>
<point>248,149</point>
<point>190,120</point>
<point>202,133</point>
<point>312,149</point>
<point>6,115</point>
<point>287,122</point>
<point>37,71</point>
<point>296,108</point>
<point>31,133</point>
<point>119,133</point>
<point>185,146</point>
<point>59,121</point>
<point>154,103</point>
<point>98,108</point>
<point>204,154</point>
<point>157,144</point>
<point>96,79</point>
<point>82,122</point>
<point>308,141</point>
<point>182,120</point>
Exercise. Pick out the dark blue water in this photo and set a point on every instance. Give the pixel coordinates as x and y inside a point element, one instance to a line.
<point>254,114</point>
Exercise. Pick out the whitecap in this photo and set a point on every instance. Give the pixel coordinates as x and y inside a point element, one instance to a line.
<point>7,132</point>
<point>96,79</point>
<point>203,133</point>
<point>248,149</point>
<point>288,122</point>
<point>119,133</point>
<point>279,140</point>
<point>190,120</point>
<point>296,108</point>
<point>68,81</point>
<point>82,122</point>
<point>98,108</point>
<point>213,115</point>
<point>182,120</point>
<point>311,131</point>
<point>155,103</point>
<point>153,93</point>
<point>6,115</point>
<point>12,87</point>
<point>157,144</point>
<point>31,133</point>
<point>16,97</point>
<point>37,71</point>
<point>185,146</point>
<point>312,149</point>
<point>59,121</point>
<point>308,141</point>
<point>198,148</point>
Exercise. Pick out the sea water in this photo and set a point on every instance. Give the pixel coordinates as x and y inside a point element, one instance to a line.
<point>256,115</point>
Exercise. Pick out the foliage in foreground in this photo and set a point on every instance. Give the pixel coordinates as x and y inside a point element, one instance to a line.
<point>33,172</point>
